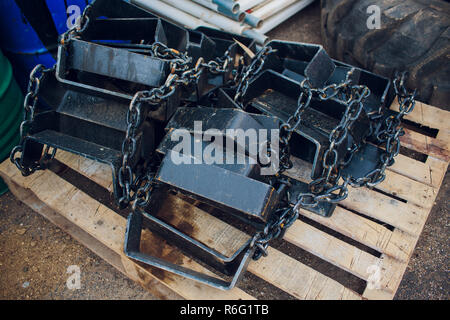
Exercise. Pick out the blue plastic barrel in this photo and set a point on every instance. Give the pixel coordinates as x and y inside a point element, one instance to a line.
<point>21,40</point>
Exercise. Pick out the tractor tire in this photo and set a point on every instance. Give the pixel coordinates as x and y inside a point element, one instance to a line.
<point>413,36</point>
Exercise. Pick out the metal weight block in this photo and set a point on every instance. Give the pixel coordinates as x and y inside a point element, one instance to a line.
<point>91,126</point>
<point>114,55</point>
<point>369,157</point>
<point>238,185</point>
<point>274,94</point>
<point>234,265</point>
<point>300,61</point>
<point>224,42</point>
<point>381,90</point>
<point>119,66</point>
<point>234,188</point>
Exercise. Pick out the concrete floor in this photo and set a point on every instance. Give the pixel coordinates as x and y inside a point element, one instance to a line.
<point>35,255</point>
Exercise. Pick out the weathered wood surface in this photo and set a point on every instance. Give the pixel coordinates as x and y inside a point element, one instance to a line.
<point>400,207</point>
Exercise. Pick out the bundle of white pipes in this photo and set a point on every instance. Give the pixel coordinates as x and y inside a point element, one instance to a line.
<point>251,18</point>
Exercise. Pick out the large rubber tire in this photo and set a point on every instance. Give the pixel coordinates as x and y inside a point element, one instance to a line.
<point>414,37</point>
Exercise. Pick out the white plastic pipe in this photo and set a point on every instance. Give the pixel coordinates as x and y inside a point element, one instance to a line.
<point>188,20</point>
<point>253,21</point>
<point>229,9</point>
<point>257,35</point>
<point>207,15</point>
<point>171,13</point>
<point>248,4</point>
<point>231,6</point>
<point>272,8</point>
<point>282,16</point>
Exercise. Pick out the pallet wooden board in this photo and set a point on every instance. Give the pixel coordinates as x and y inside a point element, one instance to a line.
<point>388,219</point>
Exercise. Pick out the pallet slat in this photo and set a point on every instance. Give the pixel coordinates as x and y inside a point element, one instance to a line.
<point>431,117</point>
<point>371,203</point>
<point>427,172</point>
<point>361,229</point>
<point>433,147</point>
<point>304,283</point>
<point>400,207</point>
<point>227,239</point>
<point>339,253</point>
<point>109,227</point>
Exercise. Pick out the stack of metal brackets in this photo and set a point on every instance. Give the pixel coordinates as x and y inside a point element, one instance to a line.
<point>83,106</point>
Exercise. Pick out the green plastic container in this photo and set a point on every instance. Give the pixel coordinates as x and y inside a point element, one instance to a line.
<point>11,100</point>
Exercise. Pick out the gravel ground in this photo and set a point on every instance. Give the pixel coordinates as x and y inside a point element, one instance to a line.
<point>35,255</point>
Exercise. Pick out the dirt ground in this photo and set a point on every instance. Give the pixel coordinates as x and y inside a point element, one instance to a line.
<point>35,255</point>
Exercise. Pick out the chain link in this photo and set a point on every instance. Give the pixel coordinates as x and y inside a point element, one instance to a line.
<point>80,26</point>
<point>389,135</point>
<point>329,187</point>
<point>136,189</point>
<point>282,219</point>
<point>29,106</point>
<point>288,127</point>
<point>325,188</point>
<point>249,72</point>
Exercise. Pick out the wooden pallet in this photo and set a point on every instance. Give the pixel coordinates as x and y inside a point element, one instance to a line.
<point>390,220</point>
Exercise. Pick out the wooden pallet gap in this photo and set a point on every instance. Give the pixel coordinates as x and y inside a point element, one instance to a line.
<point>413,181</point>
<point>373,204</point>
<point>191,215</point>
<point>86,212</point>
<point>216,234</point>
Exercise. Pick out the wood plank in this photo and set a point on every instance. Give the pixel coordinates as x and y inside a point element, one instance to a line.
<point>314,285</point>
<point>155,287</point>
<point>361,229</point>
<point>408,189</point>
<point>340,253</point>
<point>391,280</point>
<point>402,240</point>
<point>438,170</point>
<point>109,227</point>
<point>407,243</point>
<point>371,203</point>
<point>430,173</point>
<point>415,170</point>
<point>219,235</point>
<point>98,172</point>
<point>404,216</point>
<point>227,239</point>
<point>436,148</point>
<point>429,116</point>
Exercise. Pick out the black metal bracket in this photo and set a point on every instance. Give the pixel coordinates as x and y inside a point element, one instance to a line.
<point>234,266</point>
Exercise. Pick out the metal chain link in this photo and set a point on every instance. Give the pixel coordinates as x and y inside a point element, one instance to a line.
<point>249,72</point>
<point>80,26</point>
<point>390,135</point>
<point>136,189</point>
<point>328,186</point>
<point>288,127</point>
<point>282,219</point>
<point>325,187</point>
<point>29,105</point>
